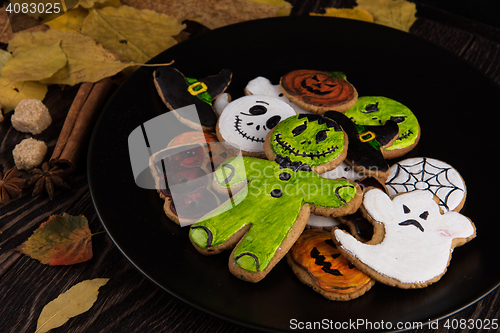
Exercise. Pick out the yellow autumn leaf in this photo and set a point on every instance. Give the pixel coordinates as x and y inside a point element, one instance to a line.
<point>11,93</point>
<point>35,64</point>
<point>71,21</point>
<point>134,35</point>
<point>4,57</point>
<point>284,7</point>
<point>93,3</point>
<point>87,60</point>
<point>71,303</point>
<point>398,14</point>
<point>350,13</point>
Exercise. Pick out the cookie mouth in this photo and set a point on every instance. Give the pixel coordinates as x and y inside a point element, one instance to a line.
<point>237,126</point>
<point>405,135</point>
<point>295,152</point>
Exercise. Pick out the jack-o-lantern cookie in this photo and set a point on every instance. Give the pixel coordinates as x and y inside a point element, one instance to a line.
<point>417,238</point>
<point>377,110</point>
<point>429,174</point>
<point>366,144</point>
<point>310,139</point>
<point>319,91</point>
<point>245,122</point>
<point>317,262</point>
<point>178,91</point>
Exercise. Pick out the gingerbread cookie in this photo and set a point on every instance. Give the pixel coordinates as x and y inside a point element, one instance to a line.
<point>309,139</point>
<point>265,218</point>
<point>417,241</point>
<point>178,91</point>
<point>366,143</point>
<point>183,178</point>
<point>435,176</point>
<point>318,91</point>
<point>245,122</point>
<point>377,110</point>
<point>317,262</point>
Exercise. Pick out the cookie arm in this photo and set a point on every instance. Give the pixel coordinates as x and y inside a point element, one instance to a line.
<point>329,197</point>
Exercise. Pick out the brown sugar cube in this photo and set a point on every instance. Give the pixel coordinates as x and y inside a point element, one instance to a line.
<point>31,116</point>
<point>29,154</point>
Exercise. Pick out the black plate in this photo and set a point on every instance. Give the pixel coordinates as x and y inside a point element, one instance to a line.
<point>451,99</point>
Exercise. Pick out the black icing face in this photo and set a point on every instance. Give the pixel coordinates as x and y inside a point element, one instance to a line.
<point>255,115</point>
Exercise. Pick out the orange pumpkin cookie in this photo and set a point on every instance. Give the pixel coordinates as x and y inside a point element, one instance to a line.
<point>319,91</point>
<point>315,260</point>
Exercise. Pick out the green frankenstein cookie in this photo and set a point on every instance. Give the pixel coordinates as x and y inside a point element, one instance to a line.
<point>309,139</point>
<point>267,216</point>
<point>376,110</point>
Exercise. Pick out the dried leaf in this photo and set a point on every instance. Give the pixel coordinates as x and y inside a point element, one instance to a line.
<point>71,21</point>
<point>90,3</point>
<point>61,240</point>
<point>398,14</point>
<point>23,22</point>
<point>87,60</point>
<point>37,63</point>
<point>134,35</point>
<point>210,13</point>
<point>350,13</point>
<point>11,93</point>
<point>75,301</point>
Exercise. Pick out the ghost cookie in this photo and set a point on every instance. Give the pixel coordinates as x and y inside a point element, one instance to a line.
<point>178,91</point>
<point>245,122</point>
<point>366,144</point>
<point>318,91</point>
<point>269,212</point>
<point>417,243</point>
<point>309,139</point>
<point>377,110</point>
<point>317,262</point>
<point>429,174</point>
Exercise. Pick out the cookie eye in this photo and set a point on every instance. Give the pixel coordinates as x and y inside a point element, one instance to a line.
<point>371,108</point>
<point>272,122</point>
<point>406,209</point>
<point>424,215</point>
<point>398,120</point>
<point>299,129</point>
<point>321,136</point>
<point>257,110</point>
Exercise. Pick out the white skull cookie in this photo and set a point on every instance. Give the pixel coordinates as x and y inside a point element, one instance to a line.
<point>417,239</point>
<point>245,122</point>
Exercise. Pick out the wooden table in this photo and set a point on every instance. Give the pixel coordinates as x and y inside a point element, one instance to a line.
<point>130,302</point>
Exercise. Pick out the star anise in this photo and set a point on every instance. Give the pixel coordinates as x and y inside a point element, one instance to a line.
<point>47,178</point>
<point>11,187</point>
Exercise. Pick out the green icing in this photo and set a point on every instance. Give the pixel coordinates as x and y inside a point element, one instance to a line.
<point>337,75</point>
<point>376,110</point>
<point>269,204</point>
<point>204,96</point>
<point>310,139</point>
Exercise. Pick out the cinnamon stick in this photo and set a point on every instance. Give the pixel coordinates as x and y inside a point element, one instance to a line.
<point>79,123</point>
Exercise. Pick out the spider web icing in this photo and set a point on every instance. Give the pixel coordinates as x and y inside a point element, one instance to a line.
<point>428,174</point>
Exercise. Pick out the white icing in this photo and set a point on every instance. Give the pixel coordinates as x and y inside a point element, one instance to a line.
<point>322,222</point>
<point>406,253</point>
<point>423,173</point>
<point>221,102</point>
<point>241,126</point>
<point>262,86</point>
<point>344,170</point>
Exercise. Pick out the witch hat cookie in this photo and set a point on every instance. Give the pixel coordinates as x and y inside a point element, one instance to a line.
<point>178,91</point>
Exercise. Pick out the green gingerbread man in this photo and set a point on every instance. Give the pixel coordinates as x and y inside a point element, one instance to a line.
<point>269,211</point>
